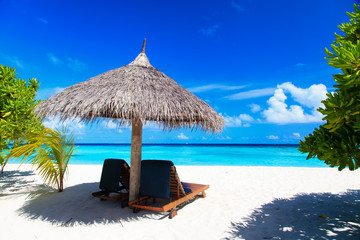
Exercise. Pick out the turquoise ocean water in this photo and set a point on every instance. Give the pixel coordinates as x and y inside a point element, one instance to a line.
<point>201,155</point>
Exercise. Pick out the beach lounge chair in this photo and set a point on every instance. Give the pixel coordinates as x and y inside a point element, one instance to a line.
<point>160,181</point>
<point>114,182</point>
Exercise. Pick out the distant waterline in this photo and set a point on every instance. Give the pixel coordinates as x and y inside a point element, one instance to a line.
<point>201,154</point>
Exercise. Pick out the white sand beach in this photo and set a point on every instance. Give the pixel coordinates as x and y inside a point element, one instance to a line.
<point>241,203</point>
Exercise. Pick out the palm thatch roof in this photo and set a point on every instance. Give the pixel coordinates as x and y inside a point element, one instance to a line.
<point>135,91</point>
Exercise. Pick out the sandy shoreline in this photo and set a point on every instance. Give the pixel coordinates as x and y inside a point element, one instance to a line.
<point>242,203</point>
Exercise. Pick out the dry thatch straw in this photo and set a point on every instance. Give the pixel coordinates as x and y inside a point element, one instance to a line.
<point>137,91</point>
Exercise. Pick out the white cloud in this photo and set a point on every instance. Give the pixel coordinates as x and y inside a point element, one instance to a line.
<point>76,65</point>
<point>53,59</point>
<point>210,31</point>
<point>296,135</point>
<point>42,20</point>
<point>13,60</point>
<point>119,130</point>
<point>58,89</point>
<point>75,126</point>
<point>111,124</point>
<point>300,65</point>
<point>251,94</point>
<point>45,93</point>
<point>238,121</point>
<point>182,136</point>
<point>153,126</point>
<point>272,137</point>
<point>310,97</point>
<point>73,64</point>
<point>246,117</point>
<point>224,138</point>
<point>279,112</point>
<point>212,87</point>
<point>237,6</point>
<point>255,108</point>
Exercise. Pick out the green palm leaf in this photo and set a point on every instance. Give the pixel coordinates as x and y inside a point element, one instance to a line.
<point>50,151</point>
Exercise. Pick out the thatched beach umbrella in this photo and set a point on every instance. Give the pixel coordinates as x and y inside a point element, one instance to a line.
<point>134,95</point>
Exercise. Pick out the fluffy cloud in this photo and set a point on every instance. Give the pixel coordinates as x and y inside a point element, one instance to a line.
<point>53,59</point>
<point>238,121</point>
<point>58,89</point>
<point>74,64</point>
<point>296,135</point>
<point>309,97</point>
<point>279,112</point>
<point>45,93</point>
<point>300,65</point>
<point>224,138</point>
<point>13,60</point>
<point>255,108</point>
<point>75,126</point>
<point>237,6</point>
<point>182,136</point>
<point>111,124</point>
<point>42,20</point>
<point>210,31</point>
<point>272,137</point>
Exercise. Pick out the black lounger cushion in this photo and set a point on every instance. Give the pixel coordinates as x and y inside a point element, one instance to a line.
<point>110,176</point>
<point>155,178</point>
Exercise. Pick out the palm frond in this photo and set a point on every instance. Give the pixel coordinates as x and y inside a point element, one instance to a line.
<point>50,151</point>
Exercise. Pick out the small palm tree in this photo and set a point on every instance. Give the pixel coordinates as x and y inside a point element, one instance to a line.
<point>50,151</point>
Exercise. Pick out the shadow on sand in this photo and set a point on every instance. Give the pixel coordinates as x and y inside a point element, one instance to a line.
<point>76,205</point>
<point>18,182</point>
<point>306,216</point>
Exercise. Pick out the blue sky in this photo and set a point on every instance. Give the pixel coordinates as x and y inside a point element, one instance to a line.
<point>258,63</point>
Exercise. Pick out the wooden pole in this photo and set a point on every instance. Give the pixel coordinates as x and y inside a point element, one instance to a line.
<point>143,48</point>
<point>135,162</point>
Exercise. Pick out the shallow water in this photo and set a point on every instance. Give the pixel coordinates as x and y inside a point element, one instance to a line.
<point>208,155</point>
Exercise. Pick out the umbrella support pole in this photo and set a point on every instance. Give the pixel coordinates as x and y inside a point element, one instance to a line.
<point>135,162</point>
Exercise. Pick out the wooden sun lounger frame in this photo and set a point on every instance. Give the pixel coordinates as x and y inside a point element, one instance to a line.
<point>178,195</point>
<point>118,195</point>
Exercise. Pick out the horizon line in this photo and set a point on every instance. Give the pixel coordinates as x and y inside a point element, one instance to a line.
<point>272,144</point>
